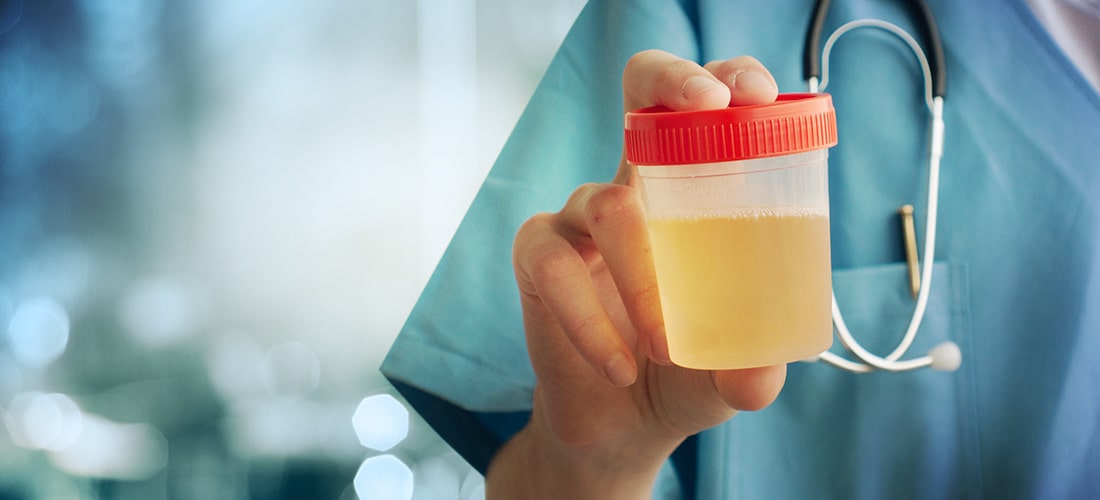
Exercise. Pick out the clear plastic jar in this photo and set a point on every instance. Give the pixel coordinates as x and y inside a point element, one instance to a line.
<point>737,205</point>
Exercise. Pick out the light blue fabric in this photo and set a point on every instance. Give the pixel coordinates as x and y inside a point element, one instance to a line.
<point>1016,284</point>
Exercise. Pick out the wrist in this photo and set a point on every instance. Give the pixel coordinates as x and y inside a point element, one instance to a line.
<point>536,463</point>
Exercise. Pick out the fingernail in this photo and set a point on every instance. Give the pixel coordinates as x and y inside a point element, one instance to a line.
<point>752,82</point>
<point>659,350</point>
<point>697,85</point>
<point>620,371</point>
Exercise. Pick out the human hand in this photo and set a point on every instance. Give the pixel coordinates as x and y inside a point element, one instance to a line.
<point>609,407</point>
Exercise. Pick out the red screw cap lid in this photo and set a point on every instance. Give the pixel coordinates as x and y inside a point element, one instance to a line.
<point>794,123</point>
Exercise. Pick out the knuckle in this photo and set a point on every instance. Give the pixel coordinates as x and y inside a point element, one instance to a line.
<point>745,60</point>
<point>581,195</point>
<point>641,58</point>
<point>673,74</point>
<point>583,327</point>
<point>529,230</point>
<point>536,223</point>
<point>646,295</point>
<point>726,67</point>
<point>662,69</point>
<point>741,61</point>
<point>608,204</point>
<point>550,267</point>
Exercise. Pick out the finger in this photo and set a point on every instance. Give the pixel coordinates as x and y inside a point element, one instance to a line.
<point>692,400</point>
<point>560,279</point>
<point>655,77</point>
<point>750,389</point>
<point>748,80</point>
<point>612,215</point>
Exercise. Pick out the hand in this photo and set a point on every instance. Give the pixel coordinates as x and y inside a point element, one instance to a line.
<point>609,407</point>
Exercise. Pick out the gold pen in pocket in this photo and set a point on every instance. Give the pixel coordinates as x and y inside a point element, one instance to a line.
<point>909,233</point>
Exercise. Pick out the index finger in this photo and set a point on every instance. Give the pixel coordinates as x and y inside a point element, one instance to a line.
<point>612,216</point>
<point>658,78</point>
<point>655,77</point>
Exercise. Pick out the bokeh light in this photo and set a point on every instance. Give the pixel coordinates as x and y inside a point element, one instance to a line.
<point>384,477</point>
<point>111,450</point>
<point>52,421</point>
<point>439,477</point>
<point>290,368</point>
<point>214,219</point>
<point>38,331</point>
<point>120,40</point>
<point>292,427</point>
<point>233,360</point>
<point>44,421</point>
<point>60,268</point>
<point>84,444</point>
<point>380,422</point>
<point>159,311</point>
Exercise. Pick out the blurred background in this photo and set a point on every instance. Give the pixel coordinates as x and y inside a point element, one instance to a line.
<point>214,218</point>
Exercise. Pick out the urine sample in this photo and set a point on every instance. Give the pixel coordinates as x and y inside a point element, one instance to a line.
<point>737,207</point>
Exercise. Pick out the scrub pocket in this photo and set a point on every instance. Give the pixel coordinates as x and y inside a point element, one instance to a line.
<point>835,434</point>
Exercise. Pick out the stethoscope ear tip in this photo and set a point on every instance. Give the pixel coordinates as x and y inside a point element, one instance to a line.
<point>946,357</point>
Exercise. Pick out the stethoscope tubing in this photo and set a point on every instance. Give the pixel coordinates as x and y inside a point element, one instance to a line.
<point>944,356</point>
<point>812,64</point>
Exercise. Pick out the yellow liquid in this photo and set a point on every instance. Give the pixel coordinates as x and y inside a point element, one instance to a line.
<point>744,289</point>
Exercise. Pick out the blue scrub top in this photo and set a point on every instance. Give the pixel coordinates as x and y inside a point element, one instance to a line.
<point>1016,281</point>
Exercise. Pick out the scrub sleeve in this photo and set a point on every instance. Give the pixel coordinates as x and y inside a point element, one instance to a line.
<point>461,357</point>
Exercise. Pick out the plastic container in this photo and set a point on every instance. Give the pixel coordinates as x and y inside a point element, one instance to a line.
<point>737,205</point>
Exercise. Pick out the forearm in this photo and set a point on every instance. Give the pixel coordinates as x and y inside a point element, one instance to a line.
<point>534,465</point>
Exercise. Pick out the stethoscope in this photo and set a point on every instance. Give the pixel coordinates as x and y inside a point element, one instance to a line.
<point>944,356</point>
